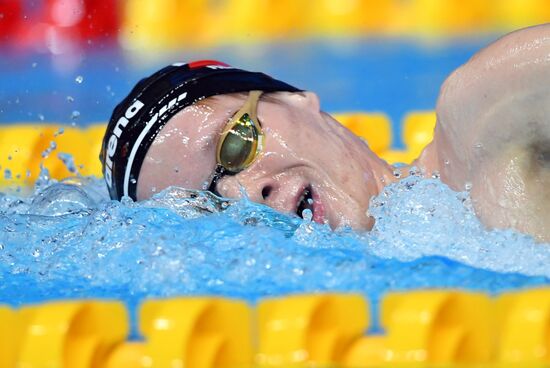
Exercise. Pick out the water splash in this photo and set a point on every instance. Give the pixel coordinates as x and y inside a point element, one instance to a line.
<point>68,240</point>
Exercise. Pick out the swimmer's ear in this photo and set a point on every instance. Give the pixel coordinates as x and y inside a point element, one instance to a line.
<point>306,99</point>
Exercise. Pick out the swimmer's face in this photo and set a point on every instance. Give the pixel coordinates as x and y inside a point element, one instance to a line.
<point>305,154</point>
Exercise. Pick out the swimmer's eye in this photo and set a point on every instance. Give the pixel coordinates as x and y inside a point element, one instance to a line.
<point>241,140</point>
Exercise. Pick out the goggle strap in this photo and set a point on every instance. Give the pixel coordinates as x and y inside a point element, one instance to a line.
<point>250,105</point>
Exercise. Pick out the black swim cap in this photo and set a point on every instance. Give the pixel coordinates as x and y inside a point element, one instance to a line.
<point>138,119</point>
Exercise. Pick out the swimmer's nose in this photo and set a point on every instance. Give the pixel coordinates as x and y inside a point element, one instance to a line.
<point>258,190</point>
<point>277,193</point>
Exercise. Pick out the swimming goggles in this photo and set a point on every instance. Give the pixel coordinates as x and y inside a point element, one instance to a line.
<point>240,142</point>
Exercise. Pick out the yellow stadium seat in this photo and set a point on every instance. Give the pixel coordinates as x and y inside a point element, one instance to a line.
<point>375,128</point>
<point>312,329</point>
<point>8,337</point>
<point>126,355</point>
<point>524,327</point>
<point>367,352</point>
<point>74,334</point>
<point>196,332</point>
<point>394,156</point>
<point>438,327</point>
<point>418,129</point>
<point>21,148</point>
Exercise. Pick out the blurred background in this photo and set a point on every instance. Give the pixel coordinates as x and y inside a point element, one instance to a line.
<point>71,61</point>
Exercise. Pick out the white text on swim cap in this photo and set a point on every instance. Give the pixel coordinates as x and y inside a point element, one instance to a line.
<point>113,139</point>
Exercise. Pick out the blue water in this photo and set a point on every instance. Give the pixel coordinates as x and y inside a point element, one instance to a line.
<point>68,240</point>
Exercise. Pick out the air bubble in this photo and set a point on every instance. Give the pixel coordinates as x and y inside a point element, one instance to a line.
<point>75,115</point>
<point>79,79</point>
<point>7,174</point>
<point>70,98</point>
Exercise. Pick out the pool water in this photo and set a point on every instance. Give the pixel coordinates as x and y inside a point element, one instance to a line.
<point>68,240</point>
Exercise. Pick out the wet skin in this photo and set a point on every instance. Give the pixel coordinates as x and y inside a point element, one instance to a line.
<point>304,149</point>
<point>492,135</point>
<point>493,132</point>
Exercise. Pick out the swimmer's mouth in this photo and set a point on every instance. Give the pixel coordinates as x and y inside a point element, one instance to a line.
<point>305,202</point>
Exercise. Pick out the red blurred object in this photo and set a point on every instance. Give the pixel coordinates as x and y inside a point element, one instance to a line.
<point>10,17</point>
<point>58,26</point>
<point>89,19</point>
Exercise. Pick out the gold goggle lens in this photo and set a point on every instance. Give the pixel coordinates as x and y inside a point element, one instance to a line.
<point>241,140</point>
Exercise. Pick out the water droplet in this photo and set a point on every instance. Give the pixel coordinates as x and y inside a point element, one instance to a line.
<point>7,174</point>
<point>436,175</point>
<point>36,253</point>
<point>468,186</point>
<point>307,215</point>
<point>68,161</point>
<point>446,162</point>
<point>41,117</point>
<point>414,171</point>
<point>59,132</point>
<point>79,79</point>
<point>133,181</point>
<point>49,150</point>
<point>70,98</point>
<point>397,173</point>
<point>1,246</point>
<point>28,173</point>
<point>9,157</point>
<point>75,115</point>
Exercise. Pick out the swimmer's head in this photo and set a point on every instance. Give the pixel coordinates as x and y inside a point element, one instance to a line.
<point>235,132</point>
<point>139,118</point>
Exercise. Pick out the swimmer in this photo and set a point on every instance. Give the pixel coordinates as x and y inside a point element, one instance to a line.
<point>493,132</point>
<point>206,125</point>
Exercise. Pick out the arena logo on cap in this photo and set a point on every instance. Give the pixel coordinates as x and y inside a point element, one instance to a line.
<point>113,139</point>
